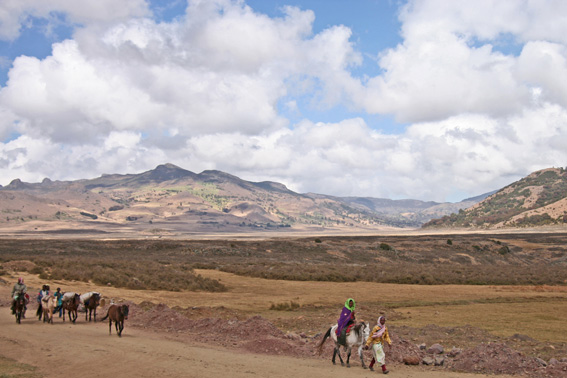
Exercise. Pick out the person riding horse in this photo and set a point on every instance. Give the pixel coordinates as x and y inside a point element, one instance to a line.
<point>347,317</point>
<point>19,289</point>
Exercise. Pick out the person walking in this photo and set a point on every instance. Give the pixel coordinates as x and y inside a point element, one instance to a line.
<point>44,292</point>
<point>377,338</point>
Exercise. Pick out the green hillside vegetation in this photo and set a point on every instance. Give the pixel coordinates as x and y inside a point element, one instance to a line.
<point>535,191</point>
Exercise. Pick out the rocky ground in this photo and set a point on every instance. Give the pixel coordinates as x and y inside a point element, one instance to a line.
<point>259,336</point>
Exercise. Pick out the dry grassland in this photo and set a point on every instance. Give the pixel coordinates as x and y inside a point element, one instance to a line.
<point>535,311</point>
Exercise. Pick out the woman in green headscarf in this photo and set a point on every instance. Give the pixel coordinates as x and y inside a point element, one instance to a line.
<point>347,315</point>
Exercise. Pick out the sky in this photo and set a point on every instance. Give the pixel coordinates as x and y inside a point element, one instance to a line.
<point>423,99</point>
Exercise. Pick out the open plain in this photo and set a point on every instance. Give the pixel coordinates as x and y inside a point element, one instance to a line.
<point>264,304</point>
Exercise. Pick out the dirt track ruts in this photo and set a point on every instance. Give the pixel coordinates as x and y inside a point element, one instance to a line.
<point>65,349</point>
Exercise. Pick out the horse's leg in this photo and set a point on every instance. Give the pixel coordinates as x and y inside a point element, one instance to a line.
<point>110,326</point>
<point>121,328</point>
<point>349,349</point>
<point>339,354</point>
<point>361,356</point>
<point>334,355</point>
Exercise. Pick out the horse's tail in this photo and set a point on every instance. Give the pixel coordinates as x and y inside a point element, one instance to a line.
<point>106,316</point>
<point>320,345</point>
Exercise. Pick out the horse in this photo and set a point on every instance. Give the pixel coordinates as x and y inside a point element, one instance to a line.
<point>357,337</point>
<point>91,301</point>
<point>116,313</point>
<point>19,306</point>
<point>70,304</point>
<point>48,305</point>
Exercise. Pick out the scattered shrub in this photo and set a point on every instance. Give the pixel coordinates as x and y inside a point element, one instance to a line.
<point>449,242</point>
<point>285,306</point>
<point>385,247</point>
<point>89,215</point>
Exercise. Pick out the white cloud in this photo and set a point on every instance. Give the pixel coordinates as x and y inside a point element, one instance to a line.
<point>204,91</point>
<point>15,13</point>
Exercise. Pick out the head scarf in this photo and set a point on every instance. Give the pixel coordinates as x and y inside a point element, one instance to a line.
<point>347,305</point>
<point>381,330</point>
<point>20,280</point>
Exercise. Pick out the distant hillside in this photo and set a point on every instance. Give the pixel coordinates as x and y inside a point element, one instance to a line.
<point>537,200</point>
<point>174,199</point>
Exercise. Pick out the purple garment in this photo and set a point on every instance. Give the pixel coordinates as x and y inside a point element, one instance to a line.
<point>343,320</point>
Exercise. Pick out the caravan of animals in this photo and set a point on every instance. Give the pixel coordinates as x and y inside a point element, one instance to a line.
<point>423,303</point>
<point>49,304</point>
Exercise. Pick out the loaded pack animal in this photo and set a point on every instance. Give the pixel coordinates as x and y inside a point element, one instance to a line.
<point>91,301</point>
<point>117,314</point>
<point>70,304</point>
<point>19,306</point>
<point>48,304</point>
<point>356,337</point>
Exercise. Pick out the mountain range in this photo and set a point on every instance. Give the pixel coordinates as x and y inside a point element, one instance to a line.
<point>539,199</point>
<point>171,199</point>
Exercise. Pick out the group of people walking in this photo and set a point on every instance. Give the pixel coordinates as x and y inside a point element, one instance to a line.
<point>378,337</point>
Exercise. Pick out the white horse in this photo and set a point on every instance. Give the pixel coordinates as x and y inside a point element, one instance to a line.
<point>357,337</point>
<point>48,305</point>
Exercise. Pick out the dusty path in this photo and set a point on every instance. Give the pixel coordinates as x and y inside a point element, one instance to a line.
<point>64,349</point>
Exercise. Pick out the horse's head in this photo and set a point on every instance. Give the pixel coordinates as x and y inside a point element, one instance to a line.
<point>365,330</point>
<point>20,296</point>
<point>124,309</point>
<point>95,298</point>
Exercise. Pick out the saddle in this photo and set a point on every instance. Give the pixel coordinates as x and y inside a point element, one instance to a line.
<point>344,333</point>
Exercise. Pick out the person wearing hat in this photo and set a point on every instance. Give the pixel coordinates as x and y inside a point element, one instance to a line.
<point>18,288</point>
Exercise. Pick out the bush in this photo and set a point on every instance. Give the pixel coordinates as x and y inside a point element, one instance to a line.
<point>385,247</point>
<point>285,306</point>
<point>449,242</point>
<point>89,215</point>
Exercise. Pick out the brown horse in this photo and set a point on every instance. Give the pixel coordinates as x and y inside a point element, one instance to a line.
<point>71,305</point>
<point>90,306</point>
<point>20,306</point>
<point>116,313</point>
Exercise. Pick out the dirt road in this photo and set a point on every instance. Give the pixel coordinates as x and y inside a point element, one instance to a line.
<point>65,349</point>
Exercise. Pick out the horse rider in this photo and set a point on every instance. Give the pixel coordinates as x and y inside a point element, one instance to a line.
<point>347,317</point>
<point>18,288</point>
<point>44,292</point>
<point>58,295</point>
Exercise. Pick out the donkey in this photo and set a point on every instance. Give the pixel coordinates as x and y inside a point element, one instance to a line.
<point>357,337</point>
<point>70,304</point>
<point>116,313</point>
<point>48,305</point>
